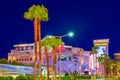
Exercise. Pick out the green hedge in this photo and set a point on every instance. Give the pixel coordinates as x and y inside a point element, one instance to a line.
<point>6,78</point>
<point>71,77</point>
<point>22,77</point>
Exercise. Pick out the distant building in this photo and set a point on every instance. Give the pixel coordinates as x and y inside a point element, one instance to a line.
<point>117,58</point>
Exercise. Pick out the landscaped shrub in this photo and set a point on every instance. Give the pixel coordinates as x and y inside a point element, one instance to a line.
<point>44,78</point>
<point>10,77</point>
<point>21,77</point>
<point>30,78</point>
<point>81,77</point>
<point>87,77</point>
<point>98,77</point>
<point>3,61</point>
<point>2,78</point>
<point>6,78</point>
<point>65,78</point>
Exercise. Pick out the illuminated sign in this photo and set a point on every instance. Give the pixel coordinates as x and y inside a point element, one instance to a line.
<point>101,41</point>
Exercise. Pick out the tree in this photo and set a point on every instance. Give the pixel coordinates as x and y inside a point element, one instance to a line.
<point>54,42</point>
<point>111,65</point>
<point>3,61</point>
<point>45,44</point>
<point>93,52</point>
<point>101,61</point>
<point>37,13</point>
<point>106,63</point>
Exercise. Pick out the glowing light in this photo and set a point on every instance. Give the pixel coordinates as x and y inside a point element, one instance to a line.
<point>71,34</point>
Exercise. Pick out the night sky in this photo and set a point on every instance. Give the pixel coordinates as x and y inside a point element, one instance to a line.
<point>88,19</point>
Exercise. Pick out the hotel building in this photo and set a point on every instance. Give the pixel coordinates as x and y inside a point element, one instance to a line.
<point>69,58</point>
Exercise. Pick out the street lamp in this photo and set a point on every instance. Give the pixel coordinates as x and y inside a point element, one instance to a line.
<point>70,34</point>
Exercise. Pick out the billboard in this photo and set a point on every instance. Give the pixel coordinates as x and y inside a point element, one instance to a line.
<point>101,50</point>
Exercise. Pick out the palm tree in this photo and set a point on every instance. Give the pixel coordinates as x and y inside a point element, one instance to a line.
<point>117,68</point>
<point>54,42</point>
<point>111,65</point>
<point>93,52</point>
<point>101,61</point>
<point>45,43</point>
<point>37,13</point>
<point>106,63</point>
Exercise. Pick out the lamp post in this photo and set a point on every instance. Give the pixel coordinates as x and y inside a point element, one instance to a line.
<point>70,34</point>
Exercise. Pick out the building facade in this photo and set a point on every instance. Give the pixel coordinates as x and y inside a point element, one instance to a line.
<point>69,59</point>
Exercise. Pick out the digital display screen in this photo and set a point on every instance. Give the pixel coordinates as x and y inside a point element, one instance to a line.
<point>101,50</point>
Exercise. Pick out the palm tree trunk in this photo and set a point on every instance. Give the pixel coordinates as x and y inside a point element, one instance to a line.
<point>40,46</point>
<point>35,46</point>
<point>105,68</point>
<point>93,63</point>
<point>54,61</point>
<point>47,59</point>
<point>102,68</point>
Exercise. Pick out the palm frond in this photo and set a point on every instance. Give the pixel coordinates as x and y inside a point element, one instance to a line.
<point>38,11</point>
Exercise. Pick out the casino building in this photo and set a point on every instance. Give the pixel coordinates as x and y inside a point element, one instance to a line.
<point>69,58</point>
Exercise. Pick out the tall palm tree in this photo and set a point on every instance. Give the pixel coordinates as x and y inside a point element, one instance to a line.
<point>45,44</point>
<point>54,42</point>
<point>37,13</point>
<point>93,52</point>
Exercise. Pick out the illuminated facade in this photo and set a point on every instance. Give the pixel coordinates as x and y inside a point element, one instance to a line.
<point>69,60</point>
<point>102,46</point>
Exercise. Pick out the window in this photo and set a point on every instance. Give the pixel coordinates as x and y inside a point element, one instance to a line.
<point>118,60</point>
<point>62,57</point>
<point>69,58</point>
<point>68,49</point>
